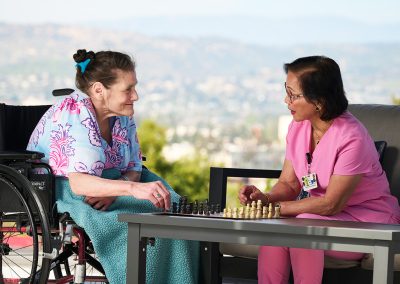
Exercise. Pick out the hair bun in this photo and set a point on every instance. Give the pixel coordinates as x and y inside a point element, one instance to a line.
<point>82,55</point>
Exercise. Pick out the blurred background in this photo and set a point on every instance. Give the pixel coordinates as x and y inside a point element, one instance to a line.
<point>210,72</point>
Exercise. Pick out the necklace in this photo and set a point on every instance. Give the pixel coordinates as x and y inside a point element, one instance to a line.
<point>317,138</point>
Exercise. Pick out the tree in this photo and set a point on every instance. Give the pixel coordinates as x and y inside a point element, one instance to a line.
<point>396,100</point>
<point>189,176</point>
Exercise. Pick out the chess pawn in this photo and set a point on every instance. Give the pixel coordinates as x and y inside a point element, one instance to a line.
<point>229,213</point>
<point>259,204</point>
<point>259,213</point>
<point>277,210</point>
<point>253,204</point>
<point>195,209</point>
<point>235,213</point>
<point>241,213</point>
<point>270,209</point>
<point>265,212</point>
<point>174,207</point>
<point>224,213</point>
<point>247,211</point>
<point>252,213</point>
<point>206,210</point>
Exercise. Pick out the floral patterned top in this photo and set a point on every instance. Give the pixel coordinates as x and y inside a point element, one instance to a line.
<point>69,136</point>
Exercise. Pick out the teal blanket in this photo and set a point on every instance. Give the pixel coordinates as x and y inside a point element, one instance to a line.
<point>169,261</point>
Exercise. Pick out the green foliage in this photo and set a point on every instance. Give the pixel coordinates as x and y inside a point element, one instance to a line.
<point>396,100</point>
<point>189,176</point>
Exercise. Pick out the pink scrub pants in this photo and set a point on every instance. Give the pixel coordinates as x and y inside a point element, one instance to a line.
<point>307,264</point>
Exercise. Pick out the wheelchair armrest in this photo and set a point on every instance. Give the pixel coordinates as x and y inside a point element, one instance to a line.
<point>22,155</point>
<point>219,177</point>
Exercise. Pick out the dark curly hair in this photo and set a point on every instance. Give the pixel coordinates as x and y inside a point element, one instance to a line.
<point>101,68</point>
<point>321,83</point>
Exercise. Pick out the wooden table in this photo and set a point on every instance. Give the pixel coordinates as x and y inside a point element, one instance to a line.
<point>382,240</point>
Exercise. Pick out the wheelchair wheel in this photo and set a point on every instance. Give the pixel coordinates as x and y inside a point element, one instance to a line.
<point>22,239</point>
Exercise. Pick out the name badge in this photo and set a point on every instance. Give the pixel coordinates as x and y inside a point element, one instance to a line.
<point>309,181</point>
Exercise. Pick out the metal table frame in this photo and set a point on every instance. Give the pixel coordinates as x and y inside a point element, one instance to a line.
<point>382,240</point>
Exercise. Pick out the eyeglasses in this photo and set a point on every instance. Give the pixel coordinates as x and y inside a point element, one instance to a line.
<point>292,97</point>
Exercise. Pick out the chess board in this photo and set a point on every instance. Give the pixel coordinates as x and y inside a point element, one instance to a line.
<point>252,211</point>
<point>214,216</point>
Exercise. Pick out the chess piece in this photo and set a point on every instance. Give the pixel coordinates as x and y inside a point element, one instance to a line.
<point>195,208</point>
<point>277,210</point>
<point>224,213</point>
<point>270,209</point>
<point>241,213</point>
<point>265,212</point>
<point>235,213</point>
<point>174,207</point>
<point>217,208</point>
<point>212,209</point>
<point>229,213</point>
<point>258,213</point>
<point>188,209</point>
<point>247,211</point>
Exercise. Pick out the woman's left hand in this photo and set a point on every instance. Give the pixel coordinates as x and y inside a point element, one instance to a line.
<point>100,203</point>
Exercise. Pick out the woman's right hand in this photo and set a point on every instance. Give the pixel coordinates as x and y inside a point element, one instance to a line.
<point>155,192</point>
<point>249,193</point>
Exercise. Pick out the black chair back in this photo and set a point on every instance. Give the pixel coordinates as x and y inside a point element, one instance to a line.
<point>17,124</point>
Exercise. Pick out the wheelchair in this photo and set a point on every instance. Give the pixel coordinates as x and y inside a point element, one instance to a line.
<point>37,244</point>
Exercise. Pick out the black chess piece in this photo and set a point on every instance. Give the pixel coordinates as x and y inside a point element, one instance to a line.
<point>201,208</point>
<point>182,210</point>
<point>212,209</point>
<point>195,209</point>
<point>174,207</point>
<point>180,203</point>
<point>206,210</point>
<point>217,208</point>
<point>188,210</point>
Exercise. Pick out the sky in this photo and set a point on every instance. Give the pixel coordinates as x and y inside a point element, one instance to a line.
<point>250,21</point>
<point>28,11</point>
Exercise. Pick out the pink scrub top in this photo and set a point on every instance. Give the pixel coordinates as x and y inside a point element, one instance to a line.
<point>345,149</point>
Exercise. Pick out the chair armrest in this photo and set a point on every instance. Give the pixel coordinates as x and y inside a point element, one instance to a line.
<point>219,177</point>
<point>20,155</point>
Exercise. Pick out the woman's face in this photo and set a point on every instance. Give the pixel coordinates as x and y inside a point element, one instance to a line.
<point>119,98</point>
<point>299,107</point>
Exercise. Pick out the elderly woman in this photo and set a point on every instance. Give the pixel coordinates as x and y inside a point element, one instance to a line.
<point>331,170</point>
<point>89,140</point>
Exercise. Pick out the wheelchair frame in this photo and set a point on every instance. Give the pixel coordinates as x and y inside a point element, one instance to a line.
<point>28,213</point>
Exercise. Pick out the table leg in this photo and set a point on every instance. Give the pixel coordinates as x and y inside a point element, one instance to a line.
<point>383,264</point>
<point>136,255</point>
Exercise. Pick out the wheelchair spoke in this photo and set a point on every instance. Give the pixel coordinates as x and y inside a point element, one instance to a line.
<point>7,261</point>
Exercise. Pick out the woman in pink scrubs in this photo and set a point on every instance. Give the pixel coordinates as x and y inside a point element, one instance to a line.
<point>331,170</point>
